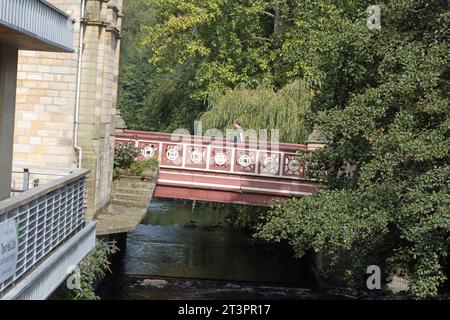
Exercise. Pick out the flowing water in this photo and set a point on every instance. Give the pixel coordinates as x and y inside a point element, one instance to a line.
<point>183,253</point>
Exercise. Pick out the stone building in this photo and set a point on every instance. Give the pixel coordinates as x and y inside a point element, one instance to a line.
<point>24,25</point>
<point>66,102</point>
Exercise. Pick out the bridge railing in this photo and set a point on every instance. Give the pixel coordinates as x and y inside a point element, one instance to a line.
<point>211,140</point>
<point>258,158</point>
<point>45,218</point>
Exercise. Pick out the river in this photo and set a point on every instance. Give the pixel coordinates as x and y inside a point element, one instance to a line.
<point>183,253</point>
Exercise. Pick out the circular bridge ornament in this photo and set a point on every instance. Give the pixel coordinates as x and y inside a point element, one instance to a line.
<point>196,156</point>
<point>269,163</point>
<point>172,154</point>
<point>220,159</point>
<point>148,152</point>
<point>294,165</point>
<point>245,161</point>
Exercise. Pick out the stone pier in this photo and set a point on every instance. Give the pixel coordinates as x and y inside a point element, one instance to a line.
<point>131,196</point>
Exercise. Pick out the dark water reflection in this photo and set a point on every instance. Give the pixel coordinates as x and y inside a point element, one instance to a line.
<point>178,244</point>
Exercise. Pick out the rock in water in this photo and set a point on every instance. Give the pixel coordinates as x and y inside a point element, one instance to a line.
<point>157,283</point>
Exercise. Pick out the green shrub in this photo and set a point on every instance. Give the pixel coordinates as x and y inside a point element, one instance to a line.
<point>116,173</point>
<point>93,268</point>
<point>138,167</point>
<point>125,155</point>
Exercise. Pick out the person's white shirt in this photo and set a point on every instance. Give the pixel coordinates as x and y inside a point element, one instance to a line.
<point>239,135</point>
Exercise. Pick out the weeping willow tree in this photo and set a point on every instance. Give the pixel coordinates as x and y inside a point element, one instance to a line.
<point>263,108</point>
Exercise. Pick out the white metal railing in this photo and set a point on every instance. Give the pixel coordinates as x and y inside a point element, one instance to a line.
<point>24,179</point>
<point>39,19</point>
<point>46,217</point>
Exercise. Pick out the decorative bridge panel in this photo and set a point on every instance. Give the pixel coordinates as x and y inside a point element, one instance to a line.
<point>269,164</point>
<point>196,157</point>
<point>292,166</point>
<point>172,155</point>
<point>220,159</point>
<point>149,150</point>
<point>245,161</point>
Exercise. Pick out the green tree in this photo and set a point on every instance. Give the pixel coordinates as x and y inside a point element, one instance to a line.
<point>225,41</point>
<point>263,108</point>
<point>136,74</point>
<point>208,48</point>
<point>169,105</point>
<point>150,100</point>
<point>383,106</point>
<point>200,49</point>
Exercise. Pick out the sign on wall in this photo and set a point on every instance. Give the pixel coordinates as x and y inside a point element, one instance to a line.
<point>9,248</point>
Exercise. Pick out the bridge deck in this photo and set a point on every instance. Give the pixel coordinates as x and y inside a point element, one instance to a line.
<point>213,169</point>
<point>228,188</point>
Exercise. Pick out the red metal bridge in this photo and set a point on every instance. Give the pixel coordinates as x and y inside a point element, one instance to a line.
<point>213,169</point>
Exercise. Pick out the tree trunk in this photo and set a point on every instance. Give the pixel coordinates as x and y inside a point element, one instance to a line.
<point>278,26</point>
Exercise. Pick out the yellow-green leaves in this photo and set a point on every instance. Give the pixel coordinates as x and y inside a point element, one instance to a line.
<point>263,108</point>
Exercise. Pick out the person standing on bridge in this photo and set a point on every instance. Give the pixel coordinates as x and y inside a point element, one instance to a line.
<point>239,136</point>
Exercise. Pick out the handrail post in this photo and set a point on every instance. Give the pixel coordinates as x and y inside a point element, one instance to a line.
<point>26,179</point>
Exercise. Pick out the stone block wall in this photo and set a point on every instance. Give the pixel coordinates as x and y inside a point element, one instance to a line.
<point>47,97</point>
